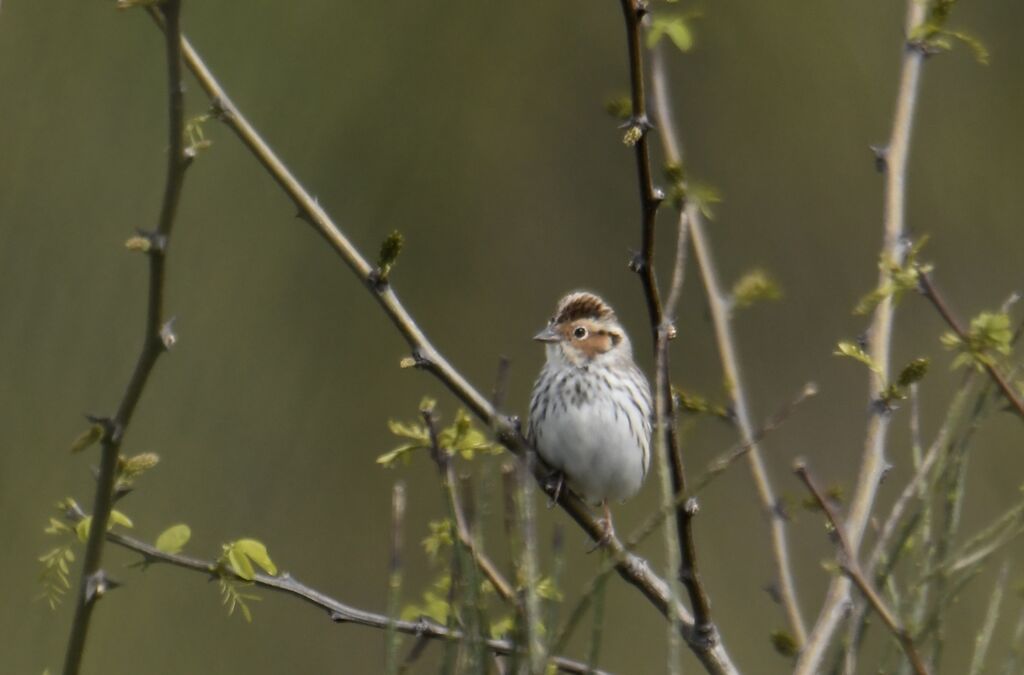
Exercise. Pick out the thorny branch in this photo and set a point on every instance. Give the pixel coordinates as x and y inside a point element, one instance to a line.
<point>894,162</point>
<point>158,337</point>
<point>851,568</point>
<point>638,128</point>
<point>338,611</point>
<point>633,569</point>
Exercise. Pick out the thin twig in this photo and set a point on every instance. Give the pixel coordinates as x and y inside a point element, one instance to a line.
<point>984,638</point>
<point>157,338</point>
<point>931,293</point>
<point>720,314</point>
<point>338,611</point>
<point>851,568</point>
<point>394,576</point>
<point>662,330</point>
<point>873,461</point>
<point>633,569</point>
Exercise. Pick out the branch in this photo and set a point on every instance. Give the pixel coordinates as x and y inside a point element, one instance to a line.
<point>157,338</point>
<point>893,160</point>
<point>338,611</point>
<point>633,569</point>
<point>848,563</point>
<point>662,330</point>
<point>929,291</point>
<point>720,316</point>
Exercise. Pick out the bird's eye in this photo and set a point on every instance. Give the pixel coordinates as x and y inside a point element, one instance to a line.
<point>580,332</point>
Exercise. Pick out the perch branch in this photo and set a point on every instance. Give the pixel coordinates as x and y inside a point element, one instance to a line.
<point>157,338</point>
<point>633,569</point>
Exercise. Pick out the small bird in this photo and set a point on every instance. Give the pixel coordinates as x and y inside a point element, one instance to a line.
<point>590,412</point>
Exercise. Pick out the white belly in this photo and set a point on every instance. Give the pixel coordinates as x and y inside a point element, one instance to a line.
<point>596,449</point>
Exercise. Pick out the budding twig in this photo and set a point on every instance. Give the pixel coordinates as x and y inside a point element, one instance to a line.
<point>851,568</point>
<point>158,337</point>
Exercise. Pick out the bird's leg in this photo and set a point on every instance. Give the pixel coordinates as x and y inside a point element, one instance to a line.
<point>559,480</point>
<point>607,531</point>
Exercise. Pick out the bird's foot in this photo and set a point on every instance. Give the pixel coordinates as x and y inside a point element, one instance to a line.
<point>554,484</point>
<point>607,530</point>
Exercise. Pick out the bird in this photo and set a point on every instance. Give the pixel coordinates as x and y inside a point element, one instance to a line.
<point>590,410</point>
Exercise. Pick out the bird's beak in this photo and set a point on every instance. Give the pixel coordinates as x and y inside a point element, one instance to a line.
<point>549,334</point>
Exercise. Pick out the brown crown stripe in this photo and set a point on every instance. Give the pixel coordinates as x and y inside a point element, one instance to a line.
<point>583,306</point>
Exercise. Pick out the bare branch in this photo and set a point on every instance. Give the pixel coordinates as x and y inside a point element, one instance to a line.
<point>157,338</point>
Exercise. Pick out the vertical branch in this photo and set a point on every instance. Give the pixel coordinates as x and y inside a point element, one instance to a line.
<point>665,436</point>
<point>873,462</point>
<point>157,338</point>
<point>394,577</point>
<point>719,304</point>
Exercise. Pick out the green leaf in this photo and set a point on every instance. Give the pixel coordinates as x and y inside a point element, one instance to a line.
<point>989,335</point>
<point>753,287</point>
<point>676,27</point>
<point>240,564</point>
<point>174,538</point>
<point>503,627</point>
<point>388,256</point>
<point>440,537</point>
<point>257,552</point>
<point>705,197</point>
<point>92,435</point>
<point>118,518</point>
<point>547,589</point>
<point>913,372</point>
<point>82,529</point>
<point>856,352</point>
<point>620,107</point>
<point>784,643</point>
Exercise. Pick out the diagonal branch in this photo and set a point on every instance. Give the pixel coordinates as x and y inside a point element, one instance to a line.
<point>633,569</point>
<point>851,568</point>
<point>929,291</point>
<point>721,318</point>
<point>157,338</point>
<point>873,463</point>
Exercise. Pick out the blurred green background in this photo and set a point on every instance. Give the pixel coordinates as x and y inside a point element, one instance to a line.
<point>478,130</point>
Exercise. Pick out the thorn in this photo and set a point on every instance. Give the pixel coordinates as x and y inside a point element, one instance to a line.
<point>98,584</point>
<point>337,617</point>
<point>881,153</point>
<point>376,280</point>
<point>773,592</point>
<point>691,507</point>
<point>886,470</point>
<point>636,262</point>
<point>167,334</point>
<point>120,492</point>
<point>218,109</point>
